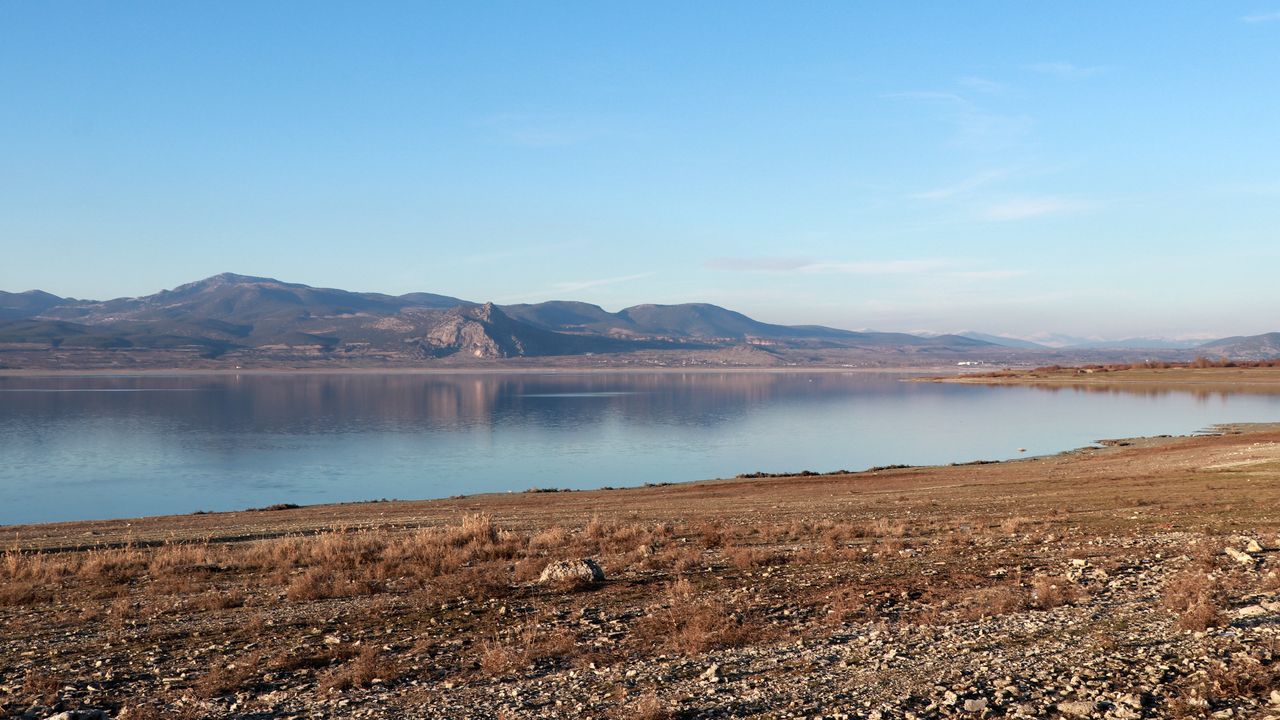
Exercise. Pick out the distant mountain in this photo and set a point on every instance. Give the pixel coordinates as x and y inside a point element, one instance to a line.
<point>242,313</point>
<point>1254,347</point>
<point>572,317</point>
<point>27,304</point>
<point>1002,340</point>
<point>67,336</point>
<point>1139,343</point>
<point>709,323</point>
<point>1055,341</point>
<point>244,299</point>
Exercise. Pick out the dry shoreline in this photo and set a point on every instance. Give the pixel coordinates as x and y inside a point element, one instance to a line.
<point>521,508</point>
<point>1250,379</point>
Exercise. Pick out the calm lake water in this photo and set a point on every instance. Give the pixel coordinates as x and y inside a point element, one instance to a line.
<point>101,447</point>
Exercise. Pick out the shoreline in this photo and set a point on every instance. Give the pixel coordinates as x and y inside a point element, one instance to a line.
<point>318,517</point>
<point>538,370</point>
<point>1239,378</point>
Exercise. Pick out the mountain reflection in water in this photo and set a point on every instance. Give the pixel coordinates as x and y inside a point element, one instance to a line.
<point>123,446</point>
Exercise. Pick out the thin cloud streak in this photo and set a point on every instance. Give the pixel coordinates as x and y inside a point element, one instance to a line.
<point>1065,70</point>
<point>982,85</point>
<point>585,284</point>
<point>757,264</point>
<point>925,267</point>
<point>976,128</point>
<point>877,267</point>
<point>1261,18</point>
<point>1032,207</point>
<point>926,95</point>
<point>964,186</point>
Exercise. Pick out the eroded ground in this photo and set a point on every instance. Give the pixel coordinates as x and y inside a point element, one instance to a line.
<point>1136,580</point>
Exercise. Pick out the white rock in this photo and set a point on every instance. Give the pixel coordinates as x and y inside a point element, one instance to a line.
<point>1241,557</point>
<point>1076,708</point>
<point>584,570</point>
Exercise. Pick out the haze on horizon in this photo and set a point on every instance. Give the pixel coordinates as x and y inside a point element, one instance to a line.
<point>1092,169</point>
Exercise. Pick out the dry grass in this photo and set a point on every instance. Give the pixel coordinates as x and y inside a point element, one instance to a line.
<point>647,707</point>
<point>41,686</point>
<point>691,623</point>
<point>536,641</point>
<point>232,677</point>
<point>367,668</point>
<point>1196,598</point>
<point>1051,592</point>
<point>991,601</point>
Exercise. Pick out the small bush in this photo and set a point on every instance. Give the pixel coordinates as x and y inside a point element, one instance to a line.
<point>1196,598</point>
<point>1052,592</point>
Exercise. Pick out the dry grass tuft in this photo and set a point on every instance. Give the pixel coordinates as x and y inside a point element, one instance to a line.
<point>230,678</point>
<point>992,601</point>
<point>1196,598</point>
<point>1051,592</point>
<point>41,686</point>
<point>689,623</point>
<point>647,707</point>
<point>365,669</point>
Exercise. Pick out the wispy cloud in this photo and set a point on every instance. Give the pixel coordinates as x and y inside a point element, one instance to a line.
<point>1255,189</point>
<point>931,267</point>
<point>575,286</point>
<point>963,187</point>
<point>986,274</point>
<point>532,250</point>
<point>1065,70</point>
<point>982,85</point>
<point>976,128</point>
<point>758,264</point>
<point>800,265</point>
<point>927,95</point>
<point>1030,207</point>
<point>1262,17</point>
<point>878,267</point>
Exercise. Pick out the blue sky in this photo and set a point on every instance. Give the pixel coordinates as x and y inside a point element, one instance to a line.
<point>1094,168</point>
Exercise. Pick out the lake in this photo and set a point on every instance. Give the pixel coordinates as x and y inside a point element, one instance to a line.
<point>101,447</point>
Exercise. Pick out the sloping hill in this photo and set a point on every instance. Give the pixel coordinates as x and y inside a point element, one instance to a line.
<point>242,312</point>
<point>243,299</point>
<point>1002,340</point>
<point>572,317</point>
<point>27,304</point>
<point>1266,345</point>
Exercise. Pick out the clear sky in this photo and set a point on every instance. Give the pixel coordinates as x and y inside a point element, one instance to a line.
<point>1095,168</point>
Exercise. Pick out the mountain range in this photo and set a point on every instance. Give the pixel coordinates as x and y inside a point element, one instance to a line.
<point>228,312</point>
<point>231,313</point>
<point>1057,341</point>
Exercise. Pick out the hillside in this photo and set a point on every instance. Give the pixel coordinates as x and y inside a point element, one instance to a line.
<point>1252,347</point>
<point>272,320</point>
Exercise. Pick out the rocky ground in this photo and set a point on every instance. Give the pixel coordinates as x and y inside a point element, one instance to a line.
<point>1136,580</point>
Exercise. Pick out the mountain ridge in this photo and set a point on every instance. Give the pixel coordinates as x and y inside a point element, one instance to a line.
<point>232,311</point>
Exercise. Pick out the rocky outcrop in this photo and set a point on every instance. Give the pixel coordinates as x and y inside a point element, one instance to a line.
<point>473,331</point>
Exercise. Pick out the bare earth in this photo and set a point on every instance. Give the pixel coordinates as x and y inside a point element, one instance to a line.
<point>1214,379</point>
<point>1135,580</point>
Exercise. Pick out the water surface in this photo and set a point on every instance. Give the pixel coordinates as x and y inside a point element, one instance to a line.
<point>100,447</point>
